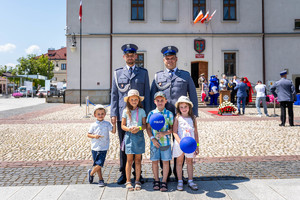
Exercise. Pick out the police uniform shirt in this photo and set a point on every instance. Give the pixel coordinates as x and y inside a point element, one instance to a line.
<point>123,82</point>
<point>180,84</point>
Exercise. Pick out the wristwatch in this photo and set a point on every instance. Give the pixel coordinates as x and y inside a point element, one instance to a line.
<point>152,137</point>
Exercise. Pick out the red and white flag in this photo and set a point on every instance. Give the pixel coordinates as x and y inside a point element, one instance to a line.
<point>211,16</point>
<point>204,18</point>
<point>199,16</point>
<point>80,11</point>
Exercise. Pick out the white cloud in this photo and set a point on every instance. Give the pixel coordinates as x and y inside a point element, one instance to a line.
<point>33,49</point>
<point>7,47</point>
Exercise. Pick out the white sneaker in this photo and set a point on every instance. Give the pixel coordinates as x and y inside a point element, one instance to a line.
<point>267,115</point>
<point>258,115</point>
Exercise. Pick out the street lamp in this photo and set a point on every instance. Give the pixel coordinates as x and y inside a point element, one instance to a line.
<point>73,45</point>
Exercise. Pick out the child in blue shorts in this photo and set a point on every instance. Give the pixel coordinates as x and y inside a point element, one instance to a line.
<point>160,148</point>
<point>99,132</point>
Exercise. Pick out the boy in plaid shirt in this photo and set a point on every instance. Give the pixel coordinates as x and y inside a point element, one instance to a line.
<point>160,148</point>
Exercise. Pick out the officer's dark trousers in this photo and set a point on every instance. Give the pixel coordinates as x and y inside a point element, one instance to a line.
<point>123,156</point>
<point>232,96</point>
<point>283,106</point>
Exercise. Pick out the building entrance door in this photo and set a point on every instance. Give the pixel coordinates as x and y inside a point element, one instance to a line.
<point>297,85</point>
<point>198,68</point>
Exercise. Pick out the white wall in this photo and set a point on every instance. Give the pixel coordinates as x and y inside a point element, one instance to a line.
<point>282,53</point>
<point>280,15</point>
<point>95,64</point>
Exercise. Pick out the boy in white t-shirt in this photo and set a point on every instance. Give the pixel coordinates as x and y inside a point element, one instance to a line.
<point>99,132</point>
<point>261,97</point>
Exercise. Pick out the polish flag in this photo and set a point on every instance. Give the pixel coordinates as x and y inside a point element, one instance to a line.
<point>204,18</point>
<point>80,11</point>
<point>199,16</point>
<point>211,16</point>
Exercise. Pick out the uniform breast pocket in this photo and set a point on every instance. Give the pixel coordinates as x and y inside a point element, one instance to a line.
<point>123,82</point>
<point>181,84</point>
<point>139,84</point>
<point>161,82</point>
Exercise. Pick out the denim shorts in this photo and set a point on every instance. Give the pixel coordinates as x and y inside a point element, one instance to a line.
<point>99,157</point>
<point>157,154</point>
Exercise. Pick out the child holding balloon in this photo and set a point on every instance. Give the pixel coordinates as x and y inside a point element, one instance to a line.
<point>134,122</point>
<point>185,127</point>
<point>159,129</point>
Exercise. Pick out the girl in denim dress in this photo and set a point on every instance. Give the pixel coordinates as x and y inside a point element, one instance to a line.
<point>134,122</point>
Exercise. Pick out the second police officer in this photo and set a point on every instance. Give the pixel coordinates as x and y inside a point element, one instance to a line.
<point>174,83</point>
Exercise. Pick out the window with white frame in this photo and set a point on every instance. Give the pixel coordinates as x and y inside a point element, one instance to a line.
<point>63,66</point>
<point>229,10</point>
<point>197,6</point>
<point>230,63</point>
<point>137,10</point>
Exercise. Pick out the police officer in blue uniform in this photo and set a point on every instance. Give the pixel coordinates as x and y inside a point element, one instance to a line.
<point>285,91</point>
<point>174,83</point>
<point>124,79</point>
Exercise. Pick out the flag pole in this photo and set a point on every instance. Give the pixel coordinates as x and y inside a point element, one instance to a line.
<point>80,60</point>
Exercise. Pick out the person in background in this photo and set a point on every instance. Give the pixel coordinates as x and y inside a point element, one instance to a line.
<point>249,91</point>
<point>284,89</point>
<point>241,95</point>
<point>231,85</point>
<point>261,97</point>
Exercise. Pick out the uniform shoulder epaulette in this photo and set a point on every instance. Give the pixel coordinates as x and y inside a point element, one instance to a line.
<point>159,71</point>
<point>118,68</point>
<point>183,71</point>
<point>143,68</point>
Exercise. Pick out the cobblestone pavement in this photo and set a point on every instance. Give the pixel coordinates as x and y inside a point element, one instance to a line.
<point>230,146</point>
<point>66,174</point>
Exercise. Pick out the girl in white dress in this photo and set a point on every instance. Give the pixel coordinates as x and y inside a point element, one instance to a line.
<point>184,125</point>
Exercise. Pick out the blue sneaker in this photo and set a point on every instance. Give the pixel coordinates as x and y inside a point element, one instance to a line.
<point>91,178</point>
<point>101,183</point>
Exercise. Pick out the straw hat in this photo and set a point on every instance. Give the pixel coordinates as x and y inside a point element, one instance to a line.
<point>99,106</point>
<point>131,93</point>
<point>183,99</point>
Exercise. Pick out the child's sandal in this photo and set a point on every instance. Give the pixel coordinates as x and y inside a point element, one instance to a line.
<point>138,186</point>
<point>129,187</point>
<point>193,186</point>
<point>156,185</point>
<point>163,187</point>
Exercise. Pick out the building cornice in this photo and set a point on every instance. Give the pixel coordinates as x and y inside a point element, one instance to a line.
<point>95,35</point>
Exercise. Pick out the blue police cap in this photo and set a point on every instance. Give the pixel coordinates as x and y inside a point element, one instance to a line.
<point>284,72</point>
<point>169,50</point>
<point>129,48</point>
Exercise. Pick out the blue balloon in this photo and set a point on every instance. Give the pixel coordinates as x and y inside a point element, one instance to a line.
<point>157,121</point>
<point>188,145</point>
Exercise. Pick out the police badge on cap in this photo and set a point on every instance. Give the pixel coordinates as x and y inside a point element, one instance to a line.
<point>169,50</point>
<point>284,72</point>
<point>129,48</point>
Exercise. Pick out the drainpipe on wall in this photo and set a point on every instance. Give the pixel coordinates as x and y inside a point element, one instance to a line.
<point>263,43</point>
<point>110,37</point>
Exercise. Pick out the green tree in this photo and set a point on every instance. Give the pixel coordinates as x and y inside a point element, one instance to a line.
<point>34,65</point>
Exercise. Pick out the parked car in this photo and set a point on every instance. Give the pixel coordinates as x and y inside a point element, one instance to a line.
<point>42,92</point>
<point>54,92</point>
<point>22,90</point>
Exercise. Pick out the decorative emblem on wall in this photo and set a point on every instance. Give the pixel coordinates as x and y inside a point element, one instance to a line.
<point>199,45</point>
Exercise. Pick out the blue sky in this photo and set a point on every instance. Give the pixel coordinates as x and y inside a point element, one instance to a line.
<point>30,26</point>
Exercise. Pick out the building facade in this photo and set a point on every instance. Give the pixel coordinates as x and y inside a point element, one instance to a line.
<point>59,59</point>
<point>256,39</point>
